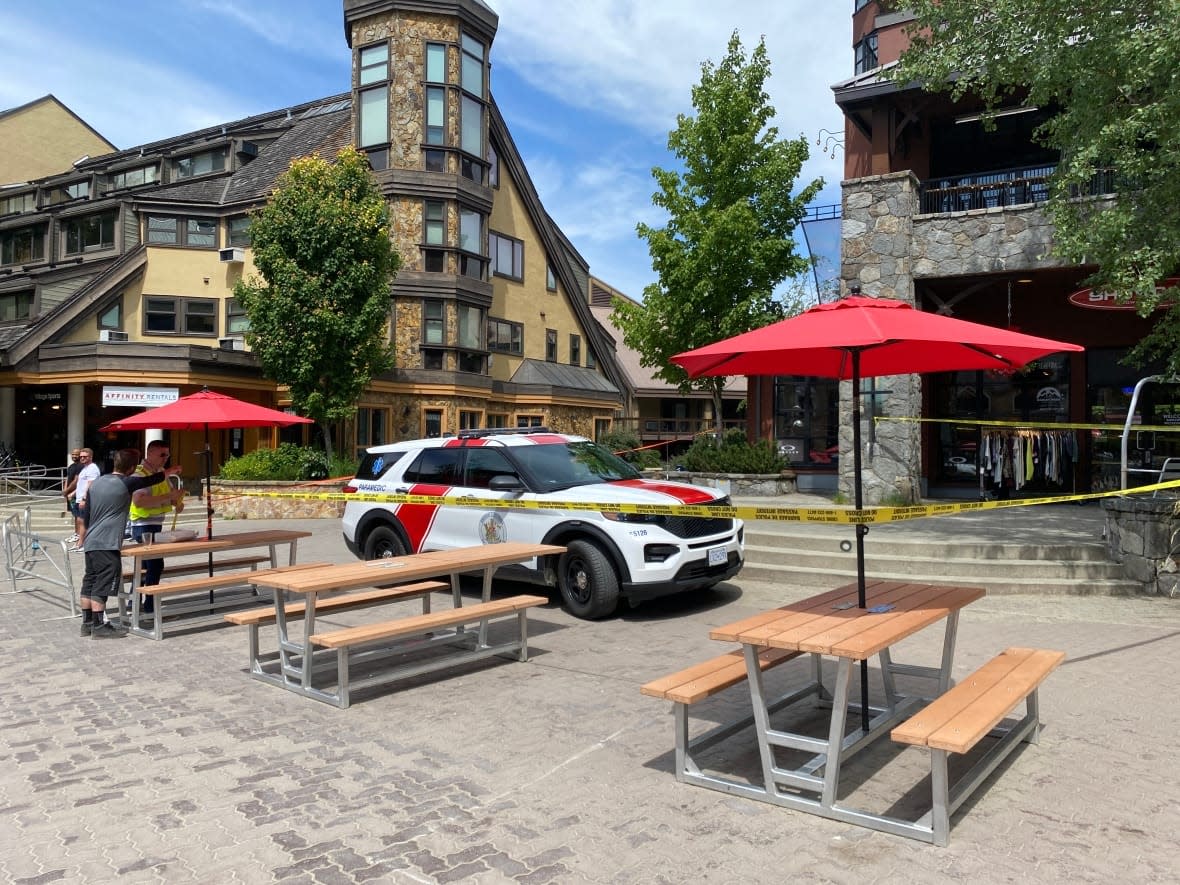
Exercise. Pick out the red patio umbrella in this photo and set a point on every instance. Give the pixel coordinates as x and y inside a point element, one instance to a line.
<point>207,410</point>
<point>861,337</point>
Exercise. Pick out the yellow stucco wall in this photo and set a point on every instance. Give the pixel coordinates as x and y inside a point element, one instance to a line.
<point>528,302</point>
<point>44,139</point>
<point>181,273</point>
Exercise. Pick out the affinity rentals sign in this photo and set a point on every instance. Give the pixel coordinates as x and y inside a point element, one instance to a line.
<point>139,397</point>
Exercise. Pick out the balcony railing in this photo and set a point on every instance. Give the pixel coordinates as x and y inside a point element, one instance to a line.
<point>655,429</point>
<point>999,188</point>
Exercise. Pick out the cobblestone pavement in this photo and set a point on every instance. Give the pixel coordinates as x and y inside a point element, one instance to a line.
<point>163,762</point>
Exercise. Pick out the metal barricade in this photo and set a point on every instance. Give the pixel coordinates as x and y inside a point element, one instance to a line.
<point>28,559</point>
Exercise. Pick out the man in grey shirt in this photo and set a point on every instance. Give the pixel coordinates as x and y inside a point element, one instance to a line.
<point>110,505</point>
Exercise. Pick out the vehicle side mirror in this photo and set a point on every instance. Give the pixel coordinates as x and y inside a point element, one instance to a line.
<point>505,482</point>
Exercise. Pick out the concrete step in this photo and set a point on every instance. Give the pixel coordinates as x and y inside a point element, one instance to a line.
<point>1051,564</point>
<point>995,584</point>
<point>50,519</point>
<point>879,543</point>
<point>1003,562</point>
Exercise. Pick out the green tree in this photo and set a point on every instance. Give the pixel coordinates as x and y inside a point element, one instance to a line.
<point>1107,72</point>
<point>319,315</point>
<point>728,242</point>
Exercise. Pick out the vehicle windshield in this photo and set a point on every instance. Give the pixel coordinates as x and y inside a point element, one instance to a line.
<point>572,464</point>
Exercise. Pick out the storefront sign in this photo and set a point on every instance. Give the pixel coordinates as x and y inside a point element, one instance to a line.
<point>139,397</point>
<point>1108,301</point>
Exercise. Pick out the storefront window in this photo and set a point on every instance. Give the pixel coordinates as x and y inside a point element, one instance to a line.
<point>807,420</point>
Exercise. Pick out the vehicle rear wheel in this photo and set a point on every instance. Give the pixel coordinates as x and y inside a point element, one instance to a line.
<point>587,580</point>
<point>383,543</point>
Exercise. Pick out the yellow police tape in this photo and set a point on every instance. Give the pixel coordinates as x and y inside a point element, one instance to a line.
<point>837,515</point>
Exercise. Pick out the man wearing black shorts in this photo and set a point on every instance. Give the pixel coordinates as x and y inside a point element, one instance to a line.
<point>110,505</point>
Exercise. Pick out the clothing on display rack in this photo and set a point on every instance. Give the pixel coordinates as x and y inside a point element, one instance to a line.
<point>1016,458</point>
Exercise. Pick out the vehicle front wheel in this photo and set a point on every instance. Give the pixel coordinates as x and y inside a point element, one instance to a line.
<point>587,580</point>
<point>384,542</point>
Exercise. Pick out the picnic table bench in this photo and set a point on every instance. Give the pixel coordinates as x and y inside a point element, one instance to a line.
<point>221,579</point>
<point>322,665</point>
<point>961,717</point>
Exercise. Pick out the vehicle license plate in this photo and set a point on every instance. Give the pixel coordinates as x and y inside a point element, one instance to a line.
<point>718,556</point>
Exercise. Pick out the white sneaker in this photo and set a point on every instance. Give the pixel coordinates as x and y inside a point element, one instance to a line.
<point>72,539</point>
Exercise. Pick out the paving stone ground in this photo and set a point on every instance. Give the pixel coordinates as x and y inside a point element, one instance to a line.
<point>164,762</point>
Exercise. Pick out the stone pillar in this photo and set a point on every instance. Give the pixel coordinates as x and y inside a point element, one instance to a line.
<point>1143,535</point>
<point>75,418</point>
<point>876,247</point>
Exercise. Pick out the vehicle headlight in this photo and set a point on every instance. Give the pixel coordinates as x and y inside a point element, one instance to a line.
<point>648,518</point>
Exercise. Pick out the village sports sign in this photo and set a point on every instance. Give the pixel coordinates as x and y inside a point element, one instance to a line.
<point>1107,301</point>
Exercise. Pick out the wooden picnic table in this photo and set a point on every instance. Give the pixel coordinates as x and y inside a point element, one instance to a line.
<point>294,665</point>
<point>176,597</point>
<point>831,625</point>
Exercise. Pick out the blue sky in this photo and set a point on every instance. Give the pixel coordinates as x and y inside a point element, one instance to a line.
<point>590,88</point>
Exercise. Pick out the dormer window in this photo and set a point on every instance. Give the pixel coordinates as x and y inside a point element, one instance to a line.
<point>866,54</point>
<point>136,177</point>
<point>204,163</point>
<point>22,245</point>
<point>13,205</point>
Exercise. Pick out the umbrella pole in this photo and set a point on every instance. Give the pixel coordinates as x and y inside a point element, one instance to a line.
<point>861,531</point>
<point>209,503</point>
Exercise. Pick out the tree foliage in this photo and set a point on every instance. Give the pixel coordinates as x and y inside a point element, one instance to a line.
<point>728,241</point>
<point>1108,72</point>
<point>319,315</point>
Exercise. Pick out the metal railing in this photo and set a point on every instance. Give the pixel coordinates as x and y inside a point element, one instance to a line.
<point>30,482</point>
<point>999,188</point>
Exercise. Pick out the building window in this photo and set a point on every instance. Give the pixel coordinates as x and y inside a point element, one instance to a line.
<point>433,323</point>
<point>198,233</point>
<point>530,420</point>
<point>434,228</point>
<point>22,245</point>
<point>64,193</point>
<point>112,317</point>
<point>238,231</point>
<point>204,163</point>
<point>436,63</point>
<point>19,203</point>
<point>370,428</point>
<point>496,420</point>
<point>432,423</point>
<point>471,135</point>
<point>90,233</point>
<point>471,327</point>
<point>575,350</point>
<point>505,336</point>
<point>591,363</point>
<point>866,54</point>
<point>601,428</point>
<point>471,169</point>
<point>436,115</point>
<point>493,167</point>
<point>141,175</point>
<point>374,64</point>
<point>434,160</point>
<point>551,345</point>
<point>16,306</point>
<point>469,420</point>
<point>471,75</point>
<point>507,256</point>
<point>236,320</point>
<point>180,316</point>
<point>550,279</point>
<point>374,116</point>
<point>470,231</point>
<point>432,360</point>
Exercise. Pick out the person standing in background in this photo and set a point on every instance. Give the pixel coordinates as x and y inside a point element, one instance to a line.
<point>67,490</point>
<point>149,506</point>
<point>88,474</point>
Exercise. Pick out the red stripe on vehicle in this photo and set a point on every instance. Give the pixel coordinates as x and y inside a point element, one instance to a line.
<point>546,439</point>
<point>683,493</point>
<point>418,518</point>
<point>458,443</point>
